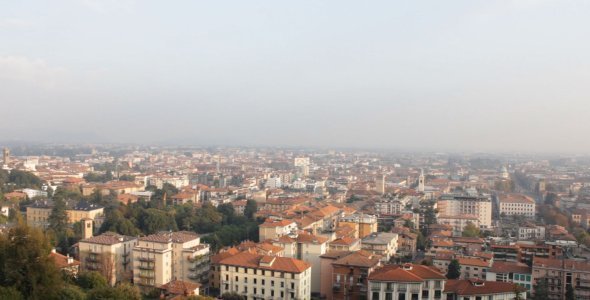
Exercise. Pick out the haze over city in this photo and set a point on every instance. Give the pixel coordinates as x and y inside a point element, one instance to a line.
<point>433,75</point>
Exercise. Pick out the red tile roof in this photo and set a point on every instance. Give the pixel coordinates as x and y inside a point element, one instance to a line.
<point>250,260</point>
<point>478,287</point>
<point>406,273</point>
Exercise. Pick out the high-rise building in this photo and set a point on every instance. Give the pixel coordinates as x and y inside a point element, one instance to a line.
<point>162,257</point>
<point>5,155</point>
<point>462,205</point>
<point>421,181</point>
<point>380,184</point>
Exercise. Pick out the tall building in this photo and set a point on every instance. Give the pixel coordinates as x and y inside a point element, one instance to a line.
<point>516,204</point>
<point>458,205</point>
<point>162,257</point>
<point>258,276</point>
<point>345,274</point>
<point>561,273</point>
<point>109,254</point>
<point>380,184</point>
<point>5,156</point>
<point>421,181</point>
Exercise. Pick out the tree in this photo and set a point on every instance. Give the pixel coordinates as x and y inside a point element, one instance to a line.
<point>250,209</point>
<point>153,220</point>
<point>454,271</point>
<point>91,280</point>
<point>540,290</point>
<point>470,230</point>
<point>10,293</point>
<point>72,292</point>
<point>569,292</point>
<point>26,265</point>
<point>121,291</point>
<point>517,292</point>
<point>232,296</point>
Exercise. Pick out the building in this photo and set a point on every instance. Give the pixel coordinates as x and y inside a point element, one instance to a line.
<point>65,263</point>
<point>458,222</point>
<point>531,232</point>
<point>38,213</point>
<point>406,282</point>
<point>345,244</point>
<point>559,273</point>
<point>516,204</point>
<point>165,256</point>
<point>272,229</point>
<point>514,272</point>
<point>479,206</point>
<point>475,289</point>
<point>381,243</point>
<point>380,184</point>
<point>306,247</point>
<point>273,183</point>
<point>179,288</point>
<point>258,276</point>
<point>406,242</point>
<point>362,223</point>
<point>345,274</point>
<point>109,254</point>
<point>471,267</point>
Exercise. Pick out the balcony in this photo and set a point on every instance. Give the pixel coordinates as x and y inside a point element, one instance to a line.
<point>146,267</point>
<point>93,259</point>
<point>146,259</point>
<point>146,275</point>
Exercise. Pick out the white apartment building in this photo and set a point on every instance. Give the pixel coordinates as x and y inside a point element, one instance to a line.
<point>162,257</point>
<point>458,222</point>
<point>265,277</point>
<point>409,281</point>
<point>391,206</point>
<point>459,204</point>
<point>109,254</point>
<point>272,229</point>
<point>381,243</point>
<point>532,232</point>
<point>516,204</point>
<point>273,183</point>
<point>308,248</point>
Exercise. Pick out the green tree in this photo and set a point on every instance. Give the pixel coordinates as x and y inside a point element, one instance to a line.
<point>91,280</point>
<point>250,209</point>
<point>471,230</point>
<point>454,271</point>
<point>517,292</point>
<point>121,291</point>
<point>23,179</point>
<point>153,220</point>
<point>10,293</point>
<point>72,292</point>
<point>26,264</point>
<point>116,222</point>
<point>232,296</point>
<point>541,290</point>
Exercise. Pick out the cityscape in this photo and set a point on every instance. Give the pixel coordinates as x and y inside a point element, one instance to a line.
<point>294,150</point>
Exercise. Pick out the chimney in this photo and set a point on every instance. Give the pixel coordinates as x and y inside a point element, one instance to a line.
<point>70,259</point>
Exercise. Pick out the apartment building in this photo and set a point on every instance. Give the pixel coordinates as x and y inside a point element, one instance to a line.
<point>406,242</point>
<point>38,213</point>
<point>363,224</point>
<point>257,276</point>
<point>408,281</point>
<point>514,272</point>
<point>476,289</point>
<point>559,273</point>
<point>386,206</point>
<point>479,206</point>
<point>109,254</point>
<point>272,229</point>
<point>345,274</point>
<point>516,204</point>
<point>381,243</point>
<point>306,247</point>
<point>531,232</point>
<point>471,267</point>
<point>458,222</point>
<point>162,257</point>
<point>345,244</point>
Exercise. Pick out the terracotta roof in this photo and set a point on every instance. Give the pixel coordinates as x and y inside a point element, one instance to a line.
<point>516,198</point>
<point>61,261</point>
<point>170,237</point>
<point>272,223</point>
<point>470,261</point>
<point>180,287</point>
<point>250,260</point>
<point>310,239</point>
<point>406,273</point>
<point>359,259</point>
<point>478,287</point>
<point>107,238</point>
<point>510,267</point>
<point>344,241</point>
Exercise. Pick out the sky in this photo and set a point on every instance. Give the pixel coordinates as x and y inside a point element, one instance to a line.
<point>511,75</point>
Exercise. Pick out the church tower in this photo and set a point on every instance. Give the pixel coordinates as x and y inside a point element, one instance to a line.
<point>421,181</point>
<point>87,228</point>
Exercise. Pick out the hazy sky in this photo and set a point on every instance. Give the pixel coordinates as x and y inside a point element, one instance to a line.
<point>440,75</point>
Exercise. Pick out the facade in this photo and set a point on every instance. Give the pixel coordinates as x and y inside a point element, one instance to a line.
<point>479,206</point>
<point>516,204</point>
<point>363,224</point>
<point>381,243</point>
<point>345,274</point>
<point>406,282</point>
<point>471,267</point>
<point>162,257</point>
<point>265,277</point>
<point>559,273</point>
<point>475,289</point>
<point>272,229</point>
<point>38,213</point>
<point>531,232</point>
<point>514,272</point>
<point>109,254</point>
<point>458,222</point>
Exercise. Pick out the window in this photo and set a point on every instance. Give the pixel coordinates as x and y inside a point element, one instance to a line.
<point>293,285</point>
<point>282,284</point>
<point>282,294</point>
<point>254,280</point>
<point>262,281</point>
<point>292,295</point>
<point>375,295</point>
<point>425,294</point>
